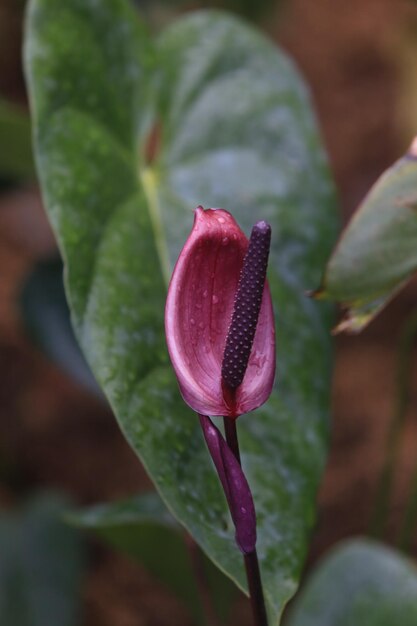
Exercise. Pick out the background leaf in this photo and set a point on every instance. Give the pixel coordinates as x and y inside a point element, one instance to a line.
<point>376,253</point>
<point>231,126</point>
<point>143,528</point>
<point>40,565</point>
<point>16,159</point>
<point>47,319</point>
<point>360,583</point>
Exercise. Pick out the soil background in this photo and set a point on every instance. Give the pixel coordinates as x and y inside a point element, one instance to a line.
<point>358,58</point>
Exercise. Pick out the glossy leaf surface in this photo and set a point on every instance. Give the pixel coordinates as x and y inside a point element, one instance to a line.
<point>143,528</point>
<point>232,127</point>
<point>40,566</point>
<point>377,252</point>
<point>360,584</point>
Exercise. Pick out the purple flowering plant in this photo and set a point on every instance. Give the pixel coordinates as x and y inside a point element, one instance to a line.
<point>132,132</point>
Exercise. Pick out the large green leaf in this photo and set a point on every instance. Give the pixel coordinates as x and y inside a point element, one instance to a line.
<point>40,565</point>
<point>143,528</point>
<point>234,129</point>
<point>360,583</point>
<point>377,252</point>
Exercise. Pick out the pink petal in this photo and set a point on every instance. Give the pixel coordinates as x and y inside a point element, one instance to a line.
<point>198,312</point>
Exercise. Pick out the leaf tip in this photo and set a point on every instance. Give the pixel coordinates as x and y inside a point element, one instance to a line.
<point>352,323</point>
<point>412,150</point>
<point>317,294</point>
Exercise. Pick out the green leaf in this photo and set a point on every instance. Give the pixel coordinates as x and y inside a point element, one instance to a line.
<point>361,583</point>
<point>47,319</point>
<point>16,159</point>
<point>377,252</point>
<point>40,565</point>
<point>143,528</point>
<point>233,128</point>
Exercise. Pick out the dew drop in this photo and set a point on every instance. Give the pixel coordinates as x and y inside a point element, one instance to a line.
<point>205,293</point>
<point>225,241</point>
<point>221,220</point>
<point>214,299</point>
<point>192,321</point>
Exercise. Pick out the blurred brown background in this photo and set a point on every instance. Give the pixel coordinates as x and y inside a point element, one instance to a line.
<point>359,59</point>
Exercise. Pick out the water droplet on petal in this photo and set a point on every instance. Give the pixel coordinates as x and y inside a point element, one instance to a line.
<point>205,293</point>
<point>225,241</point>
<point>192,321</point>
<point>221,220</point>
<point>214,299</point>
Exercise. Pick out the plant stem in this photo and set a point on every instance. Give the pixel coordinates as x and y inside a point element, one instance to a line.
<point>406,343</point>
<point>253,574</point>
<point>410,518</point>
<point>208,612</point>
<point>230,431</point>
<point>410,515</point>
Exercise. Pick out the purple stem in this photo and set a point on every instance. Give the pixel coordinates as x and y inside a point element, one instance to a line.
<point>253,573</point>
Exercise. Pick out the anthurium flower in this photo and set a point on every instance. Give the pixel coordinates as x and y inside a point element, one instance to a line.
<point>198,317</point>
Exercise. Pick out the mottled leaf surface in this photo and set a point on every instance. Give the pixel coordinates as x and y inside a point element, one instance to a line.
<point>360,583</point>
<point>231,126</point>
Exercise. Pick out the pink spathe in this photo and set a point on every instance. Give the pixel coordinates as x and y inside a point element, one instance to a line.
<point>198,314</point>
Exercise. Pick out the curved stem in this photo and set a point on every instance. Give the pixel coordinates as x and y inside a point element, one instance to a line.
<point>410,518</point>
<point>406,344</point>
<point>208,611</point>
<point>253,574</point>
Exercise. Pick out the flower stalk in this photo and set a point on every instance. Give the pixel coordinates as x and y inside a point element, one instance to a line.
<point>239,342</point>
